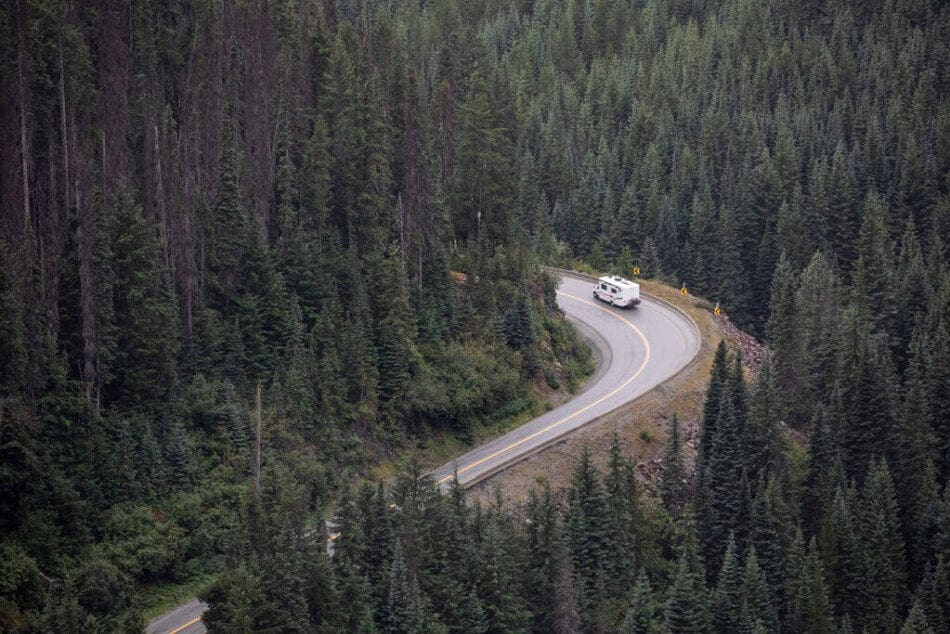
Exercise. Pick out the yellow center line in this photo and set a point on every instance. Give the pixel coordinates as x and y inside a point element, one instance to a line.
<point>185,626</point>
<point>646,359</point>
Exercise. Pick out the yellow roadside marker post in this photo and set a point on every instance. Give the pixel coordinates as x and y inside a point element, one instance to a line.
<point>684,291</point>
<point>636,271</point>
<point>717,311</point>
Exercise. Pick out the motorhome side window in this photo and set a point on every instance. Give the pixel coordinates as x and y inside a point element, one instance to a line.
<point>614,290</point>
<point>603,286</point>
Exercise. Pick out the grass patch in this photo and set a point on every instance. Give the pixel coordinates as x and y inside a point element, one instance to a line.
<point>159,599</point>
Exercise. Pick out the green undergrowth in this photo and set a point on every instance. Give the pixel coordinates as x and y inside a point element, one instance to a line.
<point>158,599</point>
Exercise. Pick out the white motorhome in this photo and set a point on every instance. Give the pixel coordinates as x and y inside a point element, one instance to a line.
<point>617,291</point>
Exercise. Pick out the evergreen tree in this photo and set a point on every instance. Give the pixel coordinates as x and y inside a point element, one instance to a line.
<point>933,592</point>
<point>728,597</point>
<point>758,608</point>
<point>874,269</point>
<point>483,188</point>
<point>844,558</point>
<point>769,539</point>
<point>622,508</point>
<point>717,379</point>
<point>820,484</point>
<point>843,219</point>
<point>406,611</point>
<point>701,246</point>
<point>809,610</point>
<point>518,321</point>
<point>784,330</point>
<point>237,602</point>
<point>916,622</point>
<point>818,307</point>
<point>673,485</point>
<point>724,506</point>
<point>761,441</point>
<point>643,615</point>
<point>686,607</point>
<point>138,327</point>
<point>938,371</point>
<point>548,565</point>
<point>882,540</point>
<point>868,425</point>
<point>586,530</point>
<point>497,573</point>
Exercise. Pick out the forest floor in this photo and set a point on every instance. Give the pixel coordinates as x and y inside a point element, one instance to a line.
<point>642,424</point>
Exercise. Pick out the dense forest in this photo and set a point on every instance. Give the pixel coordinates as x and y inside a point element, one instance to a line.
<point>315,227</point>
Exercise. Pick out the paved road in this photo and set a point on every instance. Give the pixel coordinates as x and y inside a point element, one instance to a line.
<point>637,350</point>
<point>185,619</point>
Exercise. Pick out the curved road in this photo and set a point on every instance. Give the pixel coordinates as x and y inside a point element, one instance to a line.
<point>637,348</point>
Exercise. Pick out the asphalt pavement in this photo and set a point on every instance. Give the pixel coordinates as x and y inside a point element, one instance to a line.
<point>639,348</point>
<point>185,619</point>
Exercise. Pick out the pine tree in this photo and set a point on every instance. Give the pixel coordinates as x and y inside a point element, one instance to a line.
<point>339,104</point>
<point>497,576</point>
<point>395,348</point>
<point>916,622</point>
<point>883,542</point>
<point>809,610</point>
<point>913,292</point>
<point>139,329</point>
<point>873,271</point>
<point>794,237</point>
<point>620,522</point>
<point>842,218</point>
<point>916,432</point>
<point>236,601</point>
<point>761,433</point>
<point>548,565</point>
<point>13,350</point>
<point>686,607</point>
<point>728,597</point>
<point>733,283</point>
<point>723,504</point>
<point>769,538</point>
<point>673,485</point>
<point>482,195</point>
<point>820,484</point>
<point>406,613</point>
<point>818,307</point>
<point>371,227</point>
<point>933,593</point>
<point>702,247</point>
<point>518,325</point>
<point>588,206</point>
<point>758,606</point>
<point>717,379</point>
<point>785,338</point>
<point>586,530</point>
<point>938,378</point>
<point>643,615</point>
<point>844,558</point>
<point>376,527</point>
<point>869,427</point>
<point>350,610</point>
